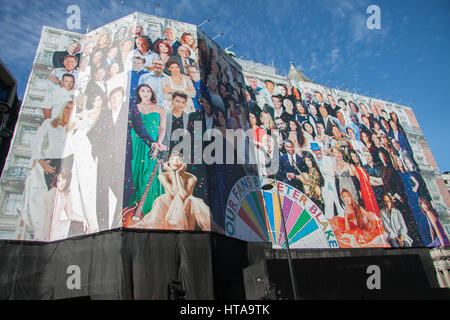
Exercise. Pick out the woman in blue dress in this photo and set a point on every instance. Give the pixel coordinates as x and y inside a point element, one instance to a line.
<point>411,187</point>
<point>437,231</point>
<point>302,113</point>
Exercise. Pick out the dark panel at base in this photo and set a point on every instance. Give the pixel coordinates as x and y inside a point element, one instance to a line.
<point>131,264</point>
<point>119,264</point>
<point>400,277</point>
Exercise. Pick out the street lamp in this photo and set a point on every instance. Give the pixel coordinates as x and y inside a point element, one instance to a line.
<point>204,22</point>
<point>179,13</point>
<point>288,251</point>
<point>218,35</point>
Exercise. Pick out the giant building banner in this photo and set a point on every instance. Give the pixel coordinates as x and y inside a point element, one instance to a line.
<point>346,176</point>
<point>146,123</point>
<point>129,130</point>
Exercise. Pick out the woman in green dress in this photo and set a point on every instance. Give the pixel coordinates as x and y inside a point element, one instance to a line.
<point>144,158</point>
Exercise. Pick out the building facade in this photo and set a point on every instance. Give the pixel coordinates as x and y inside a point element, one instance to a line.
<point>31,115</point>
<point>435,182</point>
<point>9,112</point>
<point>446,178</point>
<point>146,123</point>
<point>237,92</point>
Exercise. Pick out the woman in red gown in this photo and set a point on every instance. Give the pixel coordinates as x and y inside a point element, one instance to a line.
<point>366,191</point>
<point>358,228</point>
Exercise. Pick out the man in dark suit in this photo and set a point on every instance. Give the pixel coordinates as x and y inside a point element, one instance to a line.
<point>184,134</point>
<point>291,165</point>
<point>72,50</point>
<point>400,137</point>
<point>183,59</point>
<point>108,138</point>
<point>327,121</point>
<point>169,34</point>
<point>176,119</point>
<point>281,125</point>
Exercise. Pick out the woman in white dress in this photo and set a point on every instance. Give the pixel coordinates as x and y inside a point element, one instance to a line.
<point>46,165</point>
<point>84,188</point>
<point>59,209</point>
<point>177,82</point>
<point>177,209</point>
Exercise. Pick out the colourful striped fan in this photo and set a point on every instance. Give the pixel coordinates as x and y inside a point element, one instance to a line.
<point>299,222</point>
<point>252,213</point>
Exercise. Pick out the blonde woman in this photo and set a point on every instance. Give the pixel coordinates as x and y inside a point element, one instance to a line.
<point>83,189</point>
<point>189,41</point>
<point>358,228</point>
<point>177,208</point>
<point>47,163</point>
<point>266,121</point>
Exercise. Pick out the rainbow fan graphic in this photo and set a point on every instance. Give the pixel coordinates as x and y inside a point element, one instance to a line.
<point>255,215</point>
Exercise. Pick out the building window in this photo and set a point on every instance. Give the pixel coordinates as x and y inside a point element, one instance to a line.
<point>51,40</point>
<point>22,162</point>
<point>13,203</point>
<point>6,235</point>
<point>35,103</point>
<point>40,83</point>
<point>27,136</point>
<point>46,57</point>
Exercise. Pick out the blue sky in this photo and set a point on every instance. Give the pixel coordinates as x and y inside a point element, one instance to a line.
<point>407,61</point>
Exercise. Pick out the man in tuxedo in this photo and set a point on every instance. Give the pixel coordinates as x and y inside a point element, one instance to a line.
<point>108,139</point>
<point>72,50</point>
<point>281,125</point>
<point>98,61</point>
<point>291,165</point>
